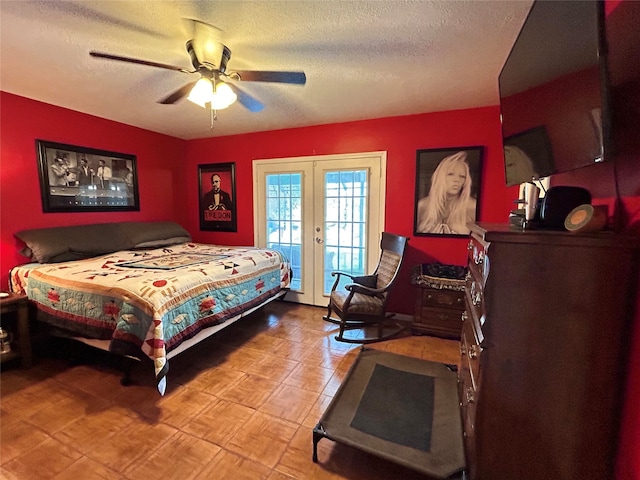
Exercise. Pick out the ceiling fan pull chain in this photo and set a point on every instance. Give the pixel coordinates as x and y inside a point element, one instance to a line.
<point>214,117</point>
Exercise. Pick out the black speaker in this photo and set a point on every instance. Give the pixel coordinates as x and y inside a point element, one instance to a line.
<point>558,203</point>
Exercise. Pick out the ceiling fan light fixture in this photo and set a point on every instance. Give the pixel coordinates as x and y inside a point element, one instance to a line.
<point>202,92</point>
<point>222,97</point>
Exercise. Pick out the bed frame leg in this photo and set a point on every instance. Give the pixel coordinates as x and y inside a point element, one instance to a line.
<point>126,379</point>
<point>127,366</point>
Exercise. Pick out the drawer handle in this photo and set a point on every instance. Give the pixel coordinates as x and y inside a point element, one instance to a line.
<point>470,245</point>
<point>479,258</point>
<point>473,351</point>
<point>477,300</point>
<point>471,398</point>
<point>476,295</point>
<point>463,351</point>
<point>464,316</point>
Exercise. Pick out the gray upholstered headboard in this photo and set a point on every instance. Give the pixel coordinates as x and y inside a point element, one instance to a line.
<point>61,244</point>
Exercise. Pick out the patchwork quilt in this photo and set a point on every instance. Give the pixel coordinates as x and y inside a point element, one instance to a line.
<point>150,301</point>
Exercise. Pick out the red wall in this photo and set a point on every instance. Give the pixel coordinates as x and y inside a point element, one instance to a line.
<point>400,137</point>
<point>23,121</point>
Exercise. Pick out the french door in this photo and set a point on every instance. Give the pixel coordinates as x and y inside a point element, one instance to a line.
<point>325,213</point>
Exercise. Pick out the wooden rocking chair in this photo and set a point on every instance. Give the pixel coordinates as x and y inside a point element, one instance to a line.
<point>363,302</point>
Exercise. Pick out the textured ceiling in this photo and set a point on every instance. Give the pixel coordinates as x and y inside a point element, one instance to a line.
<point>362,60</point>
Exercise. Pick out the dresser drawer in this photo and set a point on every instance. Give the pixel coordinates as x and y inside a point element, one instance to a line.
<point>467,394</point>
<point>470,351</point>
<point>432,297</point>
<point>478,259</point>
<point>475,306</point>
<point>438,312</point>
<point>441,322</point>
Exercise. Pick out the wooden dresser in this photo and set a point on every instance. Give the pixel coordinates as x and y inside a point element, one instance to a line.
<point>544,353</point>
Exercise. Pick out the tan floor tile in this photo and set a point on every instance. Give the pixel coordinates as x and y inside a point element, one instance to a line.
<point>26,401</point>
<point>142,402</point>
<point>180,407</point>
<point>272,367</point>
<point>289,403</point>
<point>132,445</point>
<point>263,439</point>
<point>287,331</point>
<point>92,379</point>
<point>309,377</point>
<point>219,421</point>
<point>327,340</point>
<point>292,350</point>
<point>54,416</point>
<point>318,408</point>
<point>232,466</point>
<point>181,457</point>
<point>296,460</point>
<point>92,430</point>
<point>275,475</point>
<point>325,358</point>
<point>251,391</point>
<point>87,469</point>
<point>43,461</point>
<point>264,342</point>
<point>242,359</point>
<point>7,475</point>
<point>334,383</point>
<point>18,437</point>
<point>217,380</point>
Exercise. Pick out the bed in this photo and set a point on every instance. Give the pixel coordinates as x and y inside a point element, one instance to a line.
<point>157,296</point>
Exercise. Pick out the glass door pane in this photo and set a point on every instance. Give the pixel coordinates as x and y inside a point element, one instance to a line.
<point>345,238</point>
<point>284,219</point>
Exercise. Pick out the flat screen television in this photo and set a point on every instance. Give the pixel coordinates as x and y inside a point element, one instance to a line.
<point>553,91</point>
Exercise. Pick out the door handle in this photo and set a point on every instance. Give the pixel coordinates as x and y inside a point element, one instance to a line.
<point>319,241</point>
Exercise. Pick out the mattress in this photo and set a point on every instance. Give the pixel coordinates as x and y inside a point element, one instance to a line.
<point>148,302</point>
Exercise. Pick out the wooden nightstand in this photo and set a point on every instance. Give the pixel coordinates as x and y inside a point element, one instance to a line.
<point>439,306</point>
<point>14,318</point>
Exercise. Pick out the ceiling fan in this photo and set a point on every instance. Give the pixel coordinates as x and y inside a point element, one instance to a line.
<point>216,87</point>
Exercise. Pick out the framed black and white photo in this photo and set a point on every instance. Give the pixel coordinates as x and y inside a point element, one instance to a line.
<point>447,190</point>
<point>217,189</point>
<point>81,179</point>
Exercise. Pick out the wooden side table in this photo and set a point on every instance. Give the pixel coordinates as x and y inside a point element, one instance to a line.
<point>439,306</point>
<point>14,318</point>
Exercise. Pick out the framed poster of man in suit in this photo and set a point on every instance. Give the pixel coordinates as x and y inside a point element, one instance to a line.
<point>217,204</point>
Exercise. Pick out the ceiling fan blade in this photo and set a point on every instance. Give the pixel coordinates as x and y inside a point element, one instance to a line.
<point>119,58</point>
<point>247,101</point>
<point>298,78</point>
<point>178,94</point>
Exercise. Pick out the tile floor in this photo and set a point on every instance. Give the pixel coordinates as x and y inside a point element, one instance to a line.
<point>241,405</point>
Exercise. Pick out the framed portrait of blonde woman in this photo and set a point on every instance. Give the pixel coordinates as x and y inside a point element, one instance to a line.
<point>447,190</point>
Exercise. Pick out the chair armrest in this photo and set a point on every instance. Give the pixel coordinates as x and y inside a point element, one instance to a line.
<point>333,274</point>
<point>358,288</point>
<point>338,274</point>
